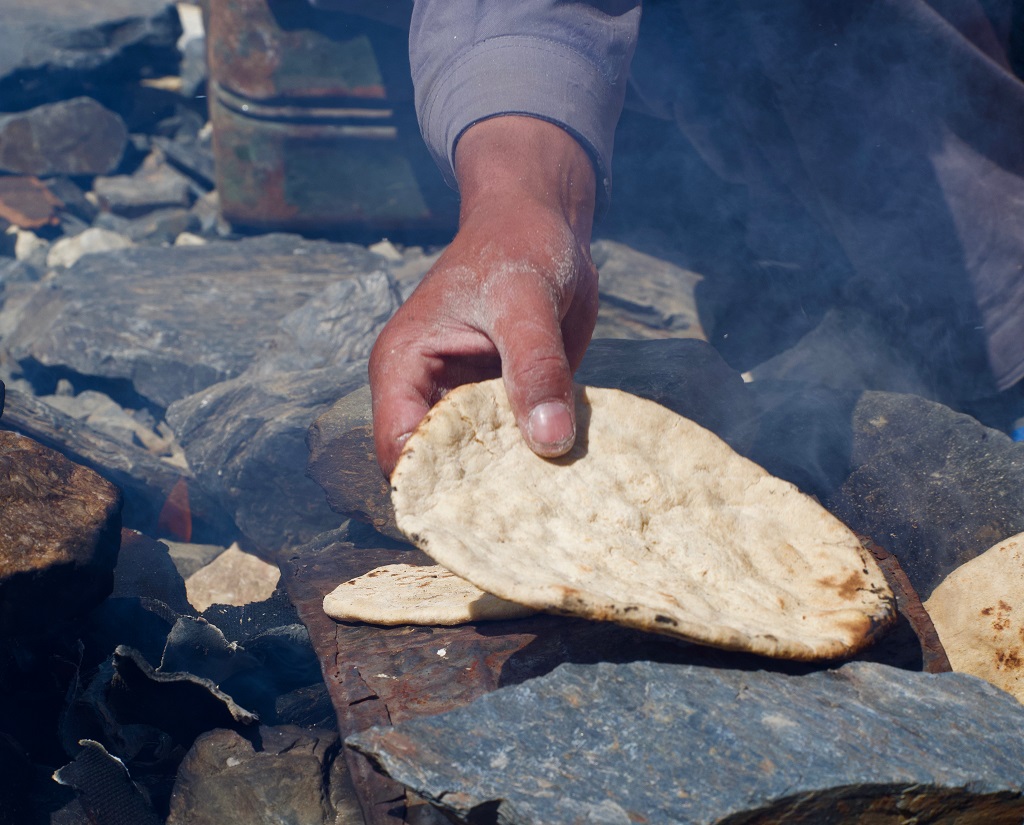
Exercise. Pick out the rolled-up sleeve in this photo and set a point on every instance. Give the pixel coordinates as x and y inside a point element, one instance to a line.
<point>564,62</point>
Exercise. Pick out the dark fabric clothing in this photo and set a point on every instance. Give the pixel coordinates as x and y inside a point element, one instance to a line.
<point>895,125</point>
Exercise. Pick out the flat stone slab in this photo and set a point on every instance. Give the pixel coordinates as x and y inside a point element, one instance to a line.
<point>176,320</point>
<point>647,742</point>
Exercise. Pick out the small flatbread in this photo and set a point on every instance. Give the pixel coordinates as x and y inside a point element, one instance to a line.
<point>978,612</point>
<point>651,521</point>
<point>398,594</point>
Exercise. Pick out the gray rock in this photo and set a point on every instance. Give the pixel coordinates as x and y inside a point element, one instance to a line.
<point>342,460</point>
<point>162,226</point>
<point>60,529</point>
<point>94,240</point>
<point>245,442</point>
<point>177,320</point>
<point>934,487</point>
<point>51,51</point>
<point>154,187</point>
<point>643,296</point>
<point>646,742</point>
<point>72,137</point>
<point>225,780</point>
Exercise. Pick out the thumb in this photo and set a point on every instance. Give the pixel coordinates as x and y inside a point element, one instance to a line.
<point>537,376</point>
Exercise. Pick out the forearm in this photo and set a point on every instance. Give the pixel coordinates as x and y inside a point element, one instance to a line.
<point>529,162</point>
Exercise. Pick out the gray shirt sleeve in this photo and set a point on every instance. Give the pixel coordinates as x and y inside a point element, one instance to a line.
<point>563,61</point>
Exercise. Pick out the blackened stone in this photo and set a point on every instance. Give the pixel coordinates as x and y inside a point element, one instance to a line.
<point>145,570</point>
<point>804,434</point>
<point>72,137</point>
<point>60,528</point>
<point>669,743</point>
<point>226,780</point>
<point>106,791</point>
<point>934,487</point>
<point>52,51</point>
<point>177,320</point>
<point>245,442</point>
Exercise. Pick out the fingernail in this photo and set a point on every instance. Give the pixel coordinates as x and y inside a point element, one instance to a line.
<point>550,427</point>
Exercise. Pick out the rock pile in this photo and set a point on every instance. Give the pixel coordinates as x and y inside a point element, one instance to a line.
<point>163,376</point>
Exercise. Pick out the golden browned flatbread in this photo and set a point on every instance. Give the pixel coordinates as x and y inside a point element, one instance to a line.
<point>978,612</point>
<point>405,594</point>
<point>651,521</point>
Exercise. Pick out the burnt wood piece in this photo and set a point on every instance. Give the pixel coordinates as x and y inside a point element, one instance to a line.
<point>909,604</point>
<point>144,479</point>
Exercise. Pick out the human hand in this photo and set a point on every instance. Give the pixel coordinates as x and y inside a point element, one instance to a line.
<point>515,294</point>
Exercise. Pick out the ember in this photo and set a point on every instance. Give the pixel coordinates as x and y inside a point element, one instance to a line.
<point>187,467</point>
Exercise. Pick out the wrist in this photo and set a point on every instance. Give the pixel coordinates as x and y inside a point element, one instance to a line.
<point>521,162</point>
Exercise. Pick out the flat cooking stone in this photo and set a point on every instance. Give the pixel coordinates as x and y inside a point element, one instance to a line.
<point>932,486</point>
<point>176,320</point>
<point>50,51</point>
<point>646,742</point>
<point>60,530</point>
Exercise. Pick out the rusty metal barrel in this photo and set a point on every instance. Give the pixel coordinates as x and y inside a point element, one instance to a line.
<point>313,122</point>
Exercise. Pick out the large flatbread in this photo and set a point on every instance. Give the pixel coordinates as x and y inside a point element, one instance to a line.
<point>651,521</point>
<point>398,594</point>
<point>978,612</point>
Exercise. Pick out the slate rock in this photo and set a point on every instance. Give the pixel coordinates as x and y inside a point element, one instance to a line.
<point>227,780</point>
<point>53,51</point>
<point>642,296</point>
<point>161,226</point>
<point>685,375</point>
<point>245,442</point>
<point>177,320</point>
<point>156,186</point>
<point>934,487</point>
<point>60,529</point>
<point>343,461</point>
<point>683,744</point>
<point>71,137</point>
